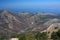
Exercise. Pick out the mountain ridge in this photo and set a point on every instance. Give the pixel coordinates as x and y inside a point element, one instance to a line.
<point>14,23</point>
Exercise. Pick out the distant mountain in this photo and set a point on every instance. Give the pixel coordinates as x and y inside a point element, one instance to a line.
<point>23,22</point>
<point>52,21</point>
<point>9,24</point>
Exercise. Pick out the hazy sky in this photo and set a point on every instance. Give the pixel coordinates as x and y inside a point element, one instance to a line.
<point>31,5</point>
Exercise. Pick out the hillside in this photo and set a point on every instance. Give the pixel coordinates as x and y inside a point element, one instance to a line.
<point>23,22</point>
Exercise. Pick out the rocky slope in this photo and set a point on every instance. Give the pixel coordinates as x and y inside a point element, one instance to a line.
<point>14,23</point>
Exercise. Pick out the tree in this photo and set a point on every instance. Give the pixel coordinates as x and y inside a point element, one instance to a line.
<point>30,36</point>
<point>56,35</point>
<point>2,36</point>
<point>41,36</point>
<point>21,36</point>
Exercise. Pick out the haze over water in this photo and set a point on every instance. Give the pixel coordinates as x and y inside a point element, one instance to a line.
<point>31,5</point>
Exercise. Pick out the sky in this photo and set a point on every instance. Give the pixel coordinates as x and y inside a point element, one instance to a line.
<point>31,5</point>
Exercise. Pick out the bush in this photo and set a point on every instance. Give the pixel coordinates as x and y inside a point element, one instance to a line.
<point>41,36</point>
<point>30,36</point>
<point>56,35</point>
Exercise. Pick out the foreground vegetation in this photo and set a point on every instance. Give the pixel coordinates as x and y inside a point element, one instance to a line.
<point>27,36</point>
<point>33,36</point>
<point>56,35</point>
